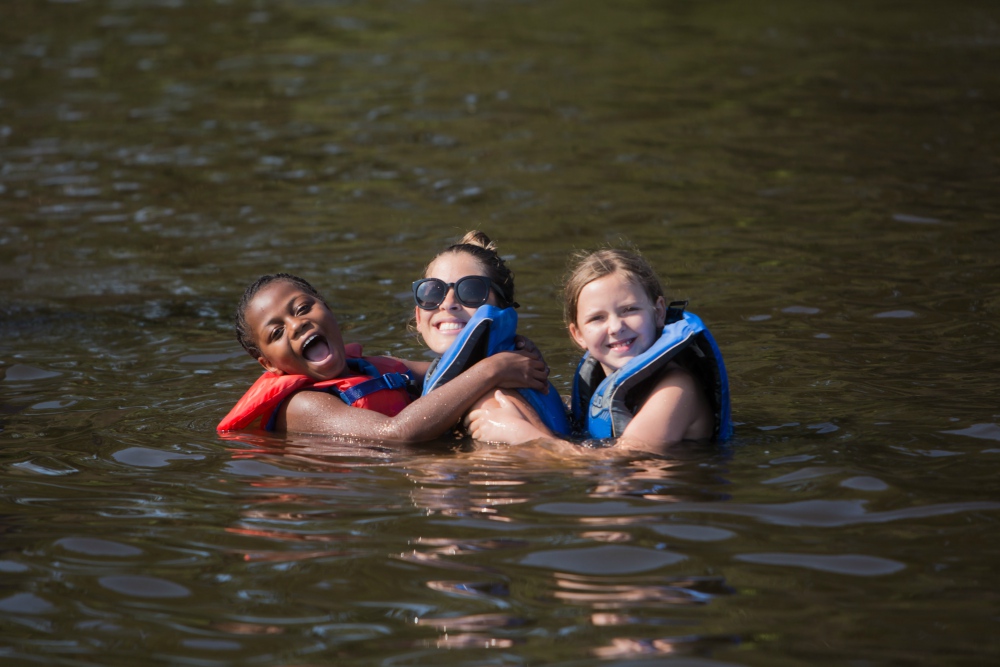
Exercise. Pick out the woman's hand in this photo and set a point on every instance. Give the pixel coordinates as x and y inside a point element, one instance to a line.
<point>501,422</point>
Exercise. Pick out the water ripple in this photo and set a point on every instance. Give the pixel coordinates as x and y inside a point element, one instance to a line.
<point>818,513</point>
<point>143,586</point>
<point>852,564</point>
<point>609,559</point>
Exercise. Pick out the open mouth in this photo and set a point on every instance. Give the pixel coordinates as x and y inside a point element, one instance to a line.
<point>316,348</point>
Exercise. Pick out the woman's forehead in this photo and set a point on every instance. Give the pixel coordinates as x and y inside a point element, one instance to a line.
<point>453,265</point>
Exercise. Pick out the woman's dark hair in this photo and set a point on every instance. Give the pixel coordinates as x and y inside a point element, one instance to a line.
<point>479,245</point>
<point>244,335</point>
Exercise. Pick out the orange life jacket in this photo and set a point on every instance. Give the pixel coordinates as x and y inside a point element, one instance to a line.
<point>372,383</point>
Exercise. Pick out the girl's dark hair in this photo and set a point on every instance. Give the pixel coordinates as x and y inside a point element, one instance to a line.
<point>244,335</point>
<point>479,245</point>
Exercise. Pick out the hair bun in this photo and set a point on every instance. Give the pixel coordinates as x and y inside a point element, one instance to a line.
<point>478,238</point>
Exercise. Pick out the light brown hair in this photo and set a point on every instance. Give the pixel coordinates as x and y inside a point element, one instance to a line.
<point>586,267</point>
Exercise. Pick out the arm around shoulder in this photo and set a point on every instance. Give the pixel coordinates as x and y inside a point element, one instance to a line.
<point>424,419</point>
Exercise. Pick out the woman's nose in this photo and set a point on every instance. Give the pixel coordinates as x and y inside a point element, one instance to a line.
<point>449,302</point>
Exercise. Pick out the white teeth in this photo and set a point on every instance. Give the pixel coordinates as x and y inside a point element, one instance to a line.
<point>451,326</point>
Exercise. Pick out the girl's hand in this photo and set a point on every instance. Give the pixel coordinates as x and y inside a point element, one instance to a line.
<point>503,422</point>
<point>525,344</point>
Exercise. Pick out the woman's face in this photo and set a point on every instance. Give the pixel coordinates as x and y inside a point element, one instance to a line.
<point>441,326</point>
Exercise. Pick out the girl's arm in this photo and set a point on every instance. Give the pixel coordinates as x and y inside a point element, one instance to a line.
<point>418,368</point>
<point>675,410</point>
<point>427,417</point>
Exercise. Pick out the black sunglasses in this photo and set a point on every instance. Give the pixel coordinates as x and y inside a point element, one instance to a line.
<point>470,291</point>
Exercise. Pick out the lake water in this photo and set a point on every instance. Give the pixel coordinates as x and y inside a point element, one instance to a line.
<point>820,180</point>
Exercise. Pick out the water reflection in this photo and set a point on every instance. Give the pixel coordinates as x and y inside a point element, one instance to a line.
<point>595,570</point>
<point>622,647</point>
<point>602,593</point>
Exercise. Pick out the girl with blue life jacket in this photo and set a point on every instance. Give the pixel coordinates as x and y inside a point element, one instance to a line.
<point>465,312</point>
<point>314,383</point>
<point>651,376</point>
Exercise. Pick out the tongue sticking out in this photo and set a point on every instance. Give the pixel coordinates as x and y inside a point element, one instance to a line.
<point>316,350</point>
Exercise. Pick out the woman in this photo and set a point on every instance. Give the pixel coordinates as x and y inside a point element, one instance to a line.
<point>465,312</point>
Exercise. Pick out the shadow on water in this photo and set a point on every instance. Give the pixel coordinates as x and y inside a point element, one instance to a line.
<point>819,180</point>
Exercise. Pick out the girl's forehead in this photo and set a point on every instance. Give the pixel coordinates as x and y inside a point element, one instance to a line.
<point>612,285</point>
<point>274,291</point>
<point>275,296</point>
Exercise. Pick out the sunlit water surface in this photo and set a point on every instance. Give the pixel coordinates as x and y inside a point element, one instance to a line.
<point>820,180</point>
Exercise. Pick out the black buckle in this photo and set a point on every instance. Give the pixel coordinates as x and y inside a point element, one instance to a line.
<point>675,311</point>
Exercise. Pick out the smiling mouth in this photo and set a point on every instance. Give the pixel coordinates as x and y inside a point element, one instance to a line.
<point>449,327</point>
<point>316,348</point>
<point>621,345</point>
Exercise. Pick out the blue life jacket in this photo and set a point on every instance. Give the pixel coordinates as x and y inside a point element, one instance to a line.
<point>603,406</point>
<point>492,330</point>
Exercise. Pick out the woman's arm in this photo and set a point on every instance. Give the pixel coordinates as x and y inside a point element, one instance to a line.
<point>427,417</point>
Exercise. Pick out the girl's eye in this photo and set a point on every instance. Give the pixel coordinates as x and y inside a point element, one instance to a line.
<point>303,309</point>
<point>276,333</point>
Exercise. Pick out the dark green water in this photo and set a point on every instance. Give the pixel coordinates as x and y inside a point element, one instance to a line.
<point>820,180</point>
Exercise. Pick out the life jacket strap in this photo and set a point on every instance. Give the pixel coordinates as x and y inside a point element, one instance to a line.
<point>675,311</point>
<point>387,381</point>
<point>353,394</point>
